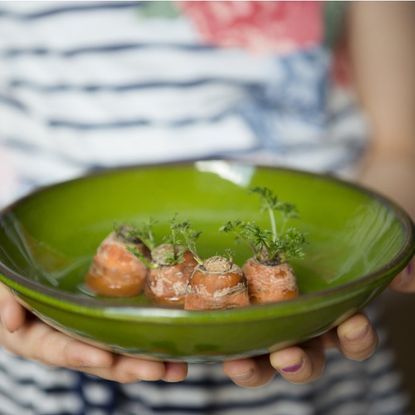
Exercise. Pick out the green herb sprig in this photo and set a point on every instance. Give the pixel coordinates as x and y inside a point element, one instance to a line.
<point>136,252</point>
<point>186,236</point>
<point>181,236</point>
<point>271,246</point>
<point>133,235</point>
<point>137,233</point>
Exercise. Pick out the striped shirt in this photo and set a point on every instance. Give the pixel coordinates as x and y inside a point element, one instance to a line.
<point>91,85</point>
<point>88,85</point>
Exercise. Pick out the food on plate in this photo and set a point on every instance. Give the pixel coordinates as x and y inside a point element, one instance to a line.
<point>216,283</point>
<point>268,272</point>
<point>172,273</point>
<point>115,271</point>
<point>172,264</point>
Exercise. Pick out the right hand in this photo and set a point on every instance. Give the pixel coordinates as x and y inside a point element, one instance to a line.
<point>356,338</point>
<point>25,335</point>
<point>405,281</point>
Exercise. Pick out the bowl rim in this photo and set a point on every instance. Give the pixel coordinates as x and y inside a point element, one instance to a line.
<point>305,302</point>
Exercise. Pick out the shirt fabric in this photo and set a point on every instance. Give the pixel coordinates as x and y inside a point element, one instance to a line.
<point>88,86</point>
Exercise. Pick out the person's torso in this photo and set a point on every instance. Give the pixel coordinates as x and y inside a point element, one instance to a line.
<point>93,85</point>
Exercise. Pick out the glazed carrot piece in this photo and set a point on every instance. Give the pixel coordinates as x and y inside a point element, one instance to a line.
<point>269,283</point>
<point>167,280</point>
<point>172,262</point>
<point>218,283</point>
<point>269,275</point>
<point>115,271</point>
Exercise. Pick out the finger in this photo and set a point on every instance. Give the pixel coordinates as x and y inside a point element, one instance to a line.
<point>357,338</point>
<point>249,373</point>
<point>330,339</point>
<point>128,370</point>
<point>405,281</point>
<point>300,364</point>
<point>38,341</point>
<point>138,369</point>
<point>12,314</point>
<point>175,372</point>
<point>123,370</point>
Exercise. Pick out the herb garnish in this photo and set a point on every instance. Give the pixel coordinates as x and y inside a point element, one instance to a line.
<point>270,246</point>
<point>170,252</point>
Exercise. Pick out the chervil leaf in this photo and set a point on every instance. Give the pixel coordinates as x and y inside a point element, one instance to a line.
<point>185,235</point>
<point>270,245</point>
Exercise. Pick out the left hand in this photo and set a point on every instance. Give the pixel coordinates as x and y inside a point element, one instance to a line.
<point>355,338</point>
<point>24,335</point>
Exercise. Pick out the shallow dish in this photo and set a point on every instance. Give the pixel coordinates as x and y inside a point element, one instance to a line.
<point>358,241</point>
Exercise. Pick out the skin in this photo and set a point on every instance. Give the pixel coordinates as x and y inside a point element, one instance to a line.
<point>25,335</point>
<point>386,85</point>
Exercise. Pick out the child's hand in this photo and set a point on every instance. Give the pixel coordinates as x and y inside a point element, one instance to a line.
<point>356,338</point>
<point>27,336</point>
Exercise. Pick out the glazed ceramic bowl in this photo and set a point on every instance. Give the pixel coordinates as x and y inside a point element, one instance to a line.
<point>357,242</point>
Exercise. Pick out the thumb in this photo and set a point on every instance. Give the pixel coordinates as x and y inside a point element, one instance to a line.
<point>405,281</point>
<point>12,314</point>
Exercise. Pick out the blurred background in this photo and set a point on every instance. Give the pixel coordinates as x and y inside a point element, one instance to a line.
<point>397,311</point>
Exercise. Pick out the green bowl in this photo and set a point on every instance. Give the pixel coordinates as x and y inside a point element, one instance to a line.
<point>358,241</point>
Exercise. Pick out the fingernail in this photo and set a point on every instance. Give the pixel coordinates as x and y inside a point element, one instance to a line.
<point>3,324</point>
<point>4,312</point>
<point>404,278</point>
<point>293,368</point>
<point>242,376</point>
<point>357,333</point>
<point>407,275</point>
<point>172,379</point>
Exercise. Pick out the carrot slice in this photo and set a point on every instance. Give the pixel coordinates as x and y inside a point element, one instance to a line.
<point>166,284</point>
<point>217,284</point>
<point>115,271</point>
<point>270,283</point>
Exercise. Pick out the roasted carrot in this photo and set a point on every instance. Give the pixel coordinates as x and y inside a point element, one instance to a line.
<point>171,264</point>
<point>268,283</point>
<point>168,278</point>
<point>115,271</point>
<point>217,283</point>
<point>269,275</point>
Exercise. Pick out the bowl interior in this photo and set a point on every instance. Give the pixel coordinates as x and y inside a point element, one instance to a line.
<point>51,235</point>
